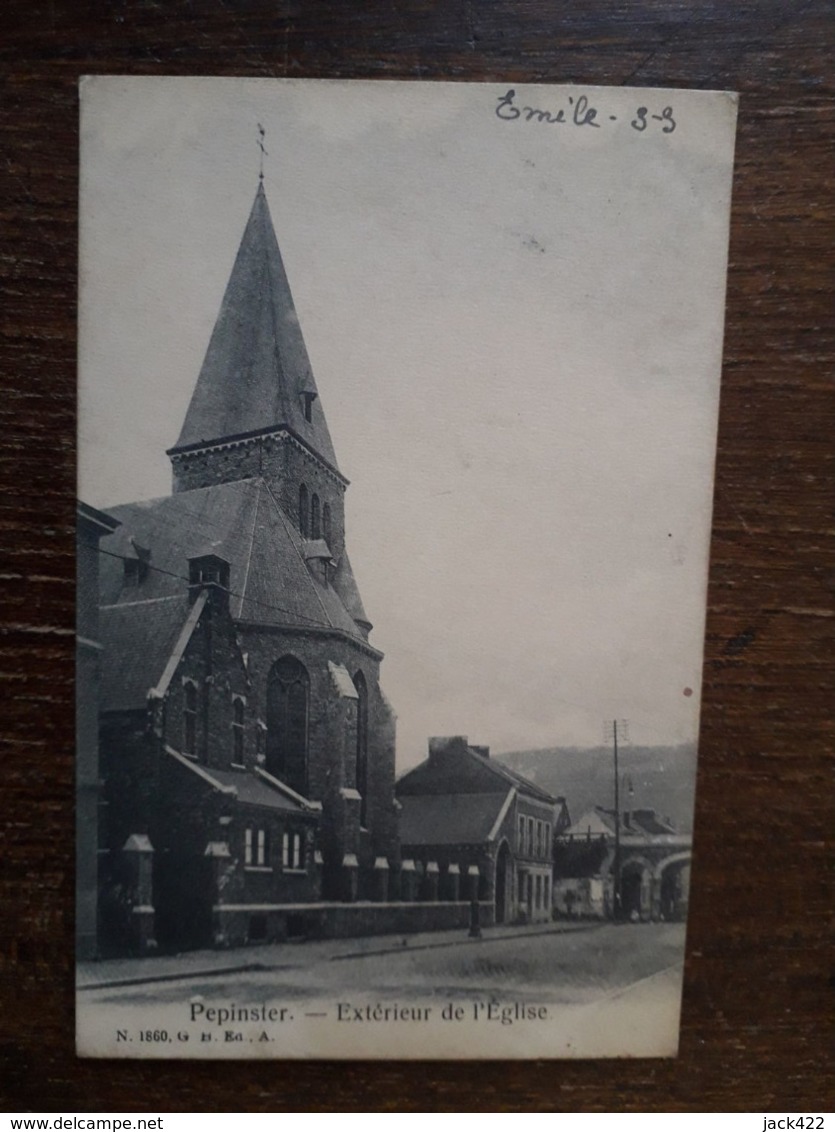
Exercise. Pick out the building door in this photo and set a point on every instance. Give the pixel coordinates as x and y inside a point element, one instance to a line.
<point>183,897</point>
<point>502,883</point>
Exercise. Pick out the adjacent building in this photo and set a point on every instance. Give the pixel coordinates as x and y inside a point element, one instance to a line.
<point>471,826</point>
<point>653,863</point>
<point>91,526</point>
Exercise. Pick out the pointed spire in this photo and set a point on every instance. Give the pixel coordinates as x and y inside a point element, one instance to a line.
<point>256,375</point>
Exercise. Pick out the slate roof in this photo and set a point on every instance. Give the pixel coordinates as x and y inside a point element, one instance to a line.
<point>448,819</point>
<point>647,821</point>
<point>462,770</point>
<point>241,522</point>
<point>256,367</point>
<point>641,823</point>
<point>521,782</point>
<point>137,639</point>
<point>254,791</point>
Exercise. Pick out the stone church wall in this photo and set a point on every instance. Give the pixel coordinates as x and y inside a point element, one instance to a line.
<point>331,766</point>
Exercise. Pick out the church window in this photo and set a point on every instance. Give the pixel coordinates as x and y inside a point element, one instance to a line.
<point>315,521</point>
<point>291,851</point>
<point>362,745</point>
<point>238,731</point>
<point>326,523</point>
<point>303,510</point>
<point>189,718</point>
<point>288,693</point>
<point>256,847</point>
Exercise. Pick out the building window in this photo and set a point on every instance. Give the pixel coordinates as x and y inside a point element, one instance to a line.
<point>303,510</point>
<point>256,847</point>
<point>547,841</point>
<point>362,744</point>
<point>189,718</point>
<point>291,852</point>
<point>531,849</point>
<point>522,828</point>
<point>315,517</point>
<point>288,692</point>
<point>326,523</point>
<point>238,731</point>
<point>136,571</point>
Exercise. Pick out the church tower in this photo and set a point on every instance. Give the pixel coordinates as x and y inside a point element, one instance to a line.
<point>257,512</point>
<point>255,410</point>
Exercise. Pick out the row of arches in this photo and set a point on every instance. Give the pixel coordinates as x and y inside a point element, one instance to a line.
<point>288,727</point>
<point>314,516</point>
<point>655,891</point>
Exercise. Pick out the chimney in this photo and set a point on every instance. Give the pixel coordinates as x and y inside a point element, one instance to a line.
<point>483,751</point>
<point>443,745</point>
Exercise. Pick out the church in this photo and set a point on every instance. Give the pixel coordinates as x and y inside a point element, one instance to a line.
<point>246,748</point>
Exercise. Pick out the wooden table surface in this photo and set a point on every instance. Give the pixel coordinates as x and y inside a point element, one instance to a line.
<point>756,1031</point>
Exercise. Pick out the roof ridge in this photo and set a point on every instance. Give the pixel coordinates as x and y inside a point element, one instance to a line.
<point>143,601</point>
<point>188,627</point>
<point>508,775</point>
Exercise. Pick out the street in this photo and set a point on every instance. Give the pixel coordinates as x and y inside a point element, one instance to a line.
<point>532,993</point>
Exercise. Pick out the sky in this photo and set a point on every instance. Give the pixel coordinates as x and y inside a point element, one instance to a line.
<point>515,328</point>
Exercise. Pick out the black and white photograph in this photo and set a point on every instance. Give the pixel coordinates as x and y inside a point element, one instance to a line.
<point>397,429</point>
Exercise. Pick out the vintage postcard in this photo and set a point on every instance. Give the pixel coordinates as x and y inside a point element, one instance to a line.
<point>398,409</point>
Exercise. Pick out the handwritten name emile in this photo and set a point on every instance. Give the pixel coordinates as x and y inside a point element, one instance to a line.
<point>579,112</point>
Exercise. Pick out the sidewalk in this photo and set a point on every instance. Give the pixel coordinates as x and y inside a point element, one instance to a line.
<point>285,956</point>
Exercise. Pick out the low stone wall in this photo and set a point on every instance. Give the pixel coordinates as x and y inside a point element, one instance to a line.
<point>236,925</point>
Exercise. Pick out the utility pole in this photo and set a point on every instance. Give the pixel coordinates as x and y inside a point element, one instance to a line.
<point>616,890</point>
<point>616,887</point>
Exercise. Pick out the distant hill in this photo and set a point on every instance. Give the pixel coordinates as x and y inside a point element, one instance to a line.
<point>663,778</point>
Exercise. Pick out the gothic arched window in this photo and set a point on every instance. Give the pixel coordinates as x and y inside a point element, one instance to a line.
<point>303,510</point>
<point>288,693</point>
<point>326,523</point>
<point>362,744</point>
<point>315,524</point>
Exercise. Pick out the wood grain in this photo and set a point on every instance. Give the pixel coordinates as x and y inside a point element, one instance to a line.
<point>757,1005</point>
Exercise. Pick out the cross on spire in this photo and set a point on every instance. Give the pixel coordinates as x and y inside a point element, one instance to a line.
<point>261,133</point>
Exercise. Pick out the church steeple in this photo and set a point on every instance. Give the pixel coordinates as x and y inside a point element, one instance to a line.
<point>256,380</point>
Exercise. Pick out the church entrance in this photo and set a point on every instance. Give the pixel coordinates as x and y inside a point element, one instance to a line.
<point>183,897</point>
<point>502,883</point>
